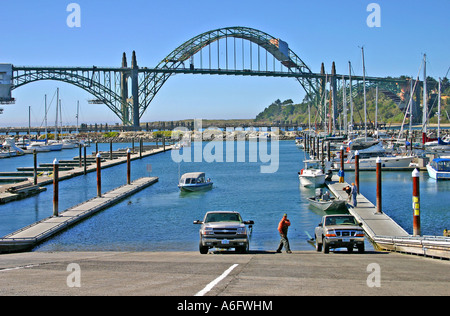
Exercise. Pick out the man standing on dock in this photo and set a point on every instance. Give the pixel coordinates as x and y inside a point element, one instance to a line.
<point>354,194</point>
<point>283,229</point>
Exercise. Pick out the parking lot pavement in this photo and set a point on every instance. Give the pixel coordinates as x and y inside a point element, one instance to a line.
<point>221,274</point>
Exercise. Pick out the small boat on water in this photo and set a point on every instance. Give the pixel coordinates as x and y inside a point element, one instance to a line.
<point>312,176</point>
<point>327,203</point>
<point>194,181</point>
<point>439,169</point>
<point>38,146</point>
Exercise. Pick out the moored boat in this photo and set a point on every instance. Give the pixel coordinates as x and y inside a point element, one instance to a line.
<point>327,203</point>
<point>439,169</point>
<point>194,181</point>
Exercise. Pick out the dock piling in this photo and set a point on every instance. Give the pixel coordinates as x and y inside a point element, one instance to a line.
<point>99,175</point>
<point>55,187</point>
<point>379,208</point>
<point>357,169</point>
<point>35,167</point>
<point>416,202</point>
<point>128,167</point>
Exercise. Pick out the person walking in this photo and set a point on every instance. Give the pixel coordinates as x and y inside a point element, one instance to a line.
<point>283,229</point>
<point>354,194</point>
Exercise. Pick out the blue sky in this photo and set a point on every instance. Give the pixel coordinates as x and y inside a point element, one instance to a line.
<point>36,33</point>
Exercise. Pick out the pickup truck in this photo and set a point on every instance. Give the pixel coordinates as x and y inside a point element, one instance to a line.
<point>224,229</point>
<point>337,231</point>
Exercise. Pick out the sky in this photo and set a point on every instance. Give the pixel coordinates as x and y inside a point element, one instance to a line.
<point>35,33</point>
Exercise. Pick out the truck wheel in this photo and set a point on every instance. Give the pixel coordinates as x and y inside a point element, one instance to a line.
<point>326,246</point>
<point>361,248</point>
<point>203,249</point>
<point>318,245</point>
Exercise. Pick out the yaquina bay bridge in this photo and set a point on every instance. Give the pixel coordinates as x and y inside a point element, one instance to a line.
<point>239,51</point>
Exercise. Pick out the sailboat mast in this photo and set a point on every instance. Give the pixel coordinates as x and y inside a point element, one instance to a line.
<point>439,110</point>
<point>351,97</point>
<point>56,119</point>
<point>45,109</point>
<point>364,89</point>
<point>425,106</point>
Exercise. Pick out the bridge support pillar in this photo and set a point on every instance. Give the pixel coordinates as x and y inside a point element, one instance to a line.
<point>135,90</point>
<point>124,92</point>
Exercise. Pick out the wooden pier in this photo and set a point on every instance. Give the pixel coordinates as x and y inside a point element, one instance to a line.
<point>28,237</point>
<point>69,169</point>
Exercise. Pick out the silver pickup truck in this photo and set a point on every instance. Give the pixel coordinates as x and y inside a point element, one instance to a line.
<point>337,231</point>
<point>224,229</point>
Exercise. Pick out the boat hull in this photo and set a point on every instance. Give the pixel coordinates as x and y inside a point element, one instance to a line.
<point>195,187</point>
<point>329,206</point>
<point>312,181</point>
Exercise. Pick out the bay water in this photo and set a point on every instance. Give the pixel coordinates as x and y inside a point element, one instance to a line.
<point>160,217</point>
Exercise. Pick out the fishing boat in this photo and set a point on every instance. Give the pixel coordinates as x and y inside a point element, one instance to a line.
<point>327,203</point>
<point>439,169</point>
<point>312,176</point>
<point>194,181</point>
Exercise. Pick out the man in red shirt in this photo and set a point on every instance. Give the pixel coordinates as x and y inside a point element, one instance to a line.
<point>283,229</point>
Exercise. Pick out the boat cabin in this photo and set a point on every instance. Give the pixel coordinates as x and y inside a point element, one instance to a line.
<point>193,178</point>
<point>441,164</point>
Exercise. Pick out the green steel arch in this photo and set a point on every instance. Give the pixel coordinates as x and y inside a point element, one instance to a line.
<point>97,81</point>
<point>153,82</point>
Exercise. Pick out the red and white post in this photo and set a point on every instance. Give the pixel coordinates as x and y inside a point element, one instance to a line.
<point>416,202</point>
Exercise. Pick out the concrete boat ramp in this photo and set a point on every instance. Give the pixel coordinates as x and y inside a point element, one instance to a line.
<point>30,236</point>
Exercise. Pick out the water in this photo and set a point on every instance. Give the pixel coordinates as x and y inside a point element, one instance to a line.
<point>160,217</point>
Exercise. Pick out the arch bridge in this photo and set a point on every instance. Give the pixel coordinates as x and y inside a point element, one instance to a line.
<point>238,51</point>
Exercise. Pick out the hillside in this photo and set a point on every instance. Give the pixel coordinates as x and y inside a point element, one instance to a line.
<point>388,111</point>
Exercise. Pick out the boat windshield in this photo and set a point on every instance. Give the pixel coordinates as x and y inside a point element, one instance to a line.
<point>223,217</point>
<point>340,220</point>
<point>443,165</point>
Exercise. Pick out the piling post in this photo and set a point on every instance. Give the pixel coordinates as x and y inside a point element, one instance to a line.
<point>110,150</point>
<point>79,155</point>
<point>416,202</point>
<point>99,175</point>
<point>128,167</point>
<point>342,158</point>
<point>357,169</point>
<point>328,151</point>
<point>55,187</point>
<point>84,157</point>
<point>379,208</point>
<point>35,167</point>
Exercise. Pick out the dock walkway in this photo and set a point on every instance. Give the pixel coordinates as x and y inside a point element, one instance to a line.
<point>29,236</point>
<point>374,224</point>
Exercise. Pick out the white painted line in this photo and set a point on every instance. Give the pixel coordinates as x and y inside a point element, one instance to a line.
<point>216,281</point>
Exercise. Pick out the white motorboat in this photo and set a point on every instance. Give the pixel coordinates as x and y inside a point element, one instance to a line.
<point>194,181</point>
<point>55,145</point>
<point>439,169</point>
<point>312,176</point>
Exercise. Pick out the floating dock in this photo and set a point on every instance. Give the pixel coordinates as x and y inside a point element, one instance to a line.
<point>69,169</point>
<point>28,237</point>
